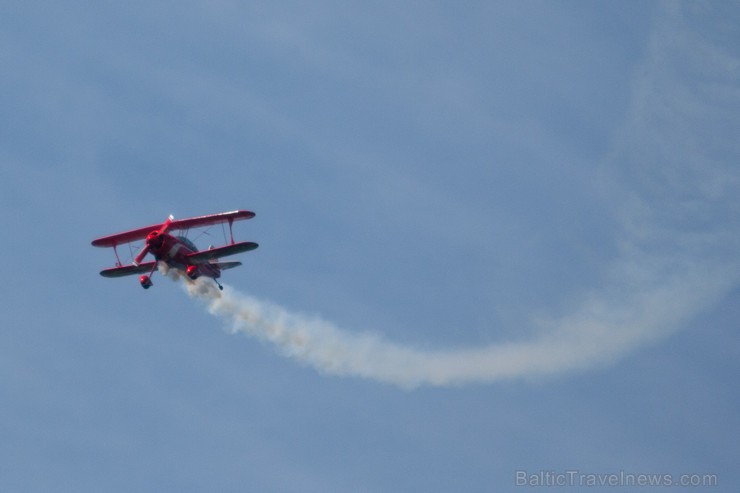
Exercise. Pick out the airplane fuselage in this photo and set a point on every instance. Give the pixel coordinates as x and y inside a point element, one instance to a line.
<point>174,251</point>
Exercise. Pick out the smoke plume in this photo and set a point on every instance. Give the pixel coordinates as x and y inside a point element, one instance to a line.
<point>678,200</point>
<point>598,333</point>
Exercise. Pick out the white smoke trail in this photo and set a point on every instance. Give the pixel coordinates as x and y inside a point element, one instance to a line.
<point>598,333</point>
<point>678,247</point>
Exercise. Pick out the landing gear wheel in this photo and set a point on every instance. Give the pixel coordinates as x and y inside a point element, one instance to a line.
<point>146,282</point>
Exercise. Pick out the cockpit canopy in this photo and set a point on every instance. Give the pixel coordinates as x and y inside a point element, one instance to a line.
<point>188,243</point>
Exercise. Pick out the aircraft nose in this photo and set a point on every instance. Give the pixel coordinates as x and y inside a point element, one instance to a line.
<point>154,239</point>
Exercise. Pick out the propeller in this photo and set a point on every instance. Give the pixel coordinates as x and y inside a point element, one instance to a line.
<point>152,238</point>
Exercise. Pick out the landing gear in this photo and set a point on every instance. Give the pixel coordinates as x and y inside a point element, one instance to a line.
<point>146,281</point>
<point>194,272</point>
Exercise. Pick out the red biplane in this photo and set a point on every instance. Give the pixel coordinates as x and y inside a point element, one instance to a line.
<point>177,251</point>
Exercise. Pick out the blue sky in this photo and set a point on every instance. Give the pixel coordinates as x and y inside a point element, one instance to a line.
<point>557,178</point>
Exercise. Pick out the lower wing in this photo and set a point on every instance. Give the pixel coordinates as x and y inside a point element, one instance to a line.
<point>128,270</point>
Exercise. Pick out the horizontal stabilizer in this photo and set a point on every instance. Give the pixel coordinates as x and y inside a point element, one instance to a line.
<point>127,270</point>
<point>226,265</point>
<point>224,251</point>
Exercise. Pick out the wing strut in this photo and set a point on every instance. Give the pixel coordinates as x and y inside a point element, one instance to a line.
<point>118,260</point>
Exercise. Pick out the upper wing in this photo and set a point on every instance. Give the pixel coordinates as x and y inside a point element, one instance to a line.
<point>222,217</point>
<point>127,237</point>
<point>127,270</point>
<point>193,222</point>
<point>234,248</point>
